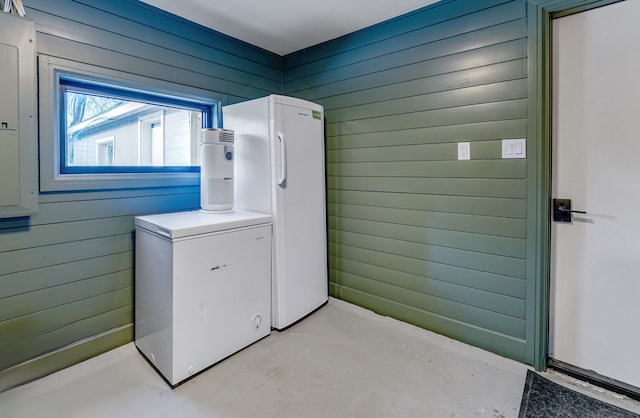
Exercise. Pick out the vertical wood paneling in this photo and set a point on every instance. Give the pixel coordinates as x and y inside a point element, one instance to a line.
<point>415,233</point>
<point>66,274</point>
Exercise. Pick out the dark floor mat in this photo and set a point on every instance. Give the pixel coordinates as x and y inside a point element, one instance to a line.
<point>543,398</point>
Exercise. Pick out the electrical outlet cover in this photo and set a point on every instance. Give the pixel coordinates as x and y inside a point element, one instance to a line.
<point>464,150</point>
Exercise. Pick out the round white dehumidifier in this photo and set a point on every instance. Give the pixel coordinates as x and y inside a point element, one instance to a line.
<point>216,171</point>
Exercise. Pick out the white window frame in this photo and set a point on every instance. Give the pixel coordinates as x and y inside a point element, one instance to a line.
<point>105,143</point>
<point>145,131</point>
<point>51,69</point>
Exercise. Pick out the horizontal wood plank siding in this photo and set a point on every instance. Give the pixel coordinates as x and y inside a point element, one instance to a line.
<point>413,232</point>
<point>476,279</point>
<point>67,272</point>
<point>109,316</point>
<point>498,245</point>
<point>474,335</point>
<point>428,16</point>
<point>72,263</point>
<point>456,45</point>
<point>85,33</point>
<point>513,128</point>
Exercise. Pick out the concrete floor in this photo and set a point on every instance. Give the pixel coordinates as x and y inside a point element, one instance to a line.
<point>343,361</point>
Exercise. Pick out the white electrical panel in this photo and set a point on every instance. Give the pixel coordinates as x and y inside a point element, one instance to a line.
<point>18,149</point>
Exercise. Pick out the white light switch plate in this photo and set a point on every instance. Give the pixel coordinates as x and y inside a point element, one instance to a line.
<point>514,148</point>
<point>464,150</point>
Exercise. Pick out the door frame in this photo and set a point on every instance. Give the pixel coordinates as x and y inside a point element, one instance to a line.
<point>540,13</point>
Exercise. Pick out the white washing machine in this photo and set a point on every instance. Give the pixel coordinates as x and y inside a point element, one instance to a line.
<point>202,288</point>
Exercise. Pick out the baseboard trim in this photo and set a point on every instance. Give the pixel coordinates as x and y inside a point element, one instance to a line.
<point>595,379</point>
<point>62,358</point>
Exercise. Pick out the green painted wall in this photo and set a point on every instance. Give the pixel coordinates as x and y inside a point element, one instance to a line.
<point>413,232</point>
<point>458,247</point>
<point>66,274</point>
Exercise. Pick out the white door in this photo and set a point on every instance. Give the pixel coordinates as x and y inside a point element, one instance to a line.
<point>300,280</point>
<point>595,260</point>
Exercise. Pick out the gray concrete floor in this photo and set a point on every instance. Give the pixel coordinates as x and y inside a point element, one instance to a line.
<point>343,361</point>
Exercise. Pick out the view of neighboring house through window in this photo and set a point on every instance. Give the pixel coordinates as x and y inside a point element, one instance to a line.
<point>108,130</point>
<point>157,144</point>
<point>105,151</point>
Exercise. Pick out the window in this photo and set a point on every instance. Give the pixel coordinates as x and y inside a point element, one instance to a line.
<point>112,130</point>
<point>149,133</point>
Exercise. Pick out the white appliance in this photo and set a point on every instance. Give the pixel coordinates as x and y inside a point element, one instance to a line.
<point>280,169</point>
<point>202,289</point>
<point>216,170</point>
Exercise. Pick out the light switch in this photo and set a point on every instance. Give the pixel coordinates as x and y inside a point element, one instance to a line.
<point>514,148</point>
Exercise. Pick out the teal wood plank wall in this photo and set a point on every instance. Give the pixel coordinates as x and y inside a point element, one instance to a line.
<point>413,232</point>
<point>66,274</point>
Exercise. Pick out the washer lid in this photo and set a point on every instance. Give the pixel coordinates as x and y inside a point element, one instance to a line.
<point>185,224</point>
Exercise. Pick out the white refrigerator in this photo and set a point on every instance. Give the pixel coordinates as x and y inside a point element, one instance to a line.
<point>280,170</point>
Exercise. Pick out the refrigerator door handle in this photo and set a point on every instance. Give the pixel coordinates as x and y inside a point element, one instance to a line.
<point>282,180</point>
